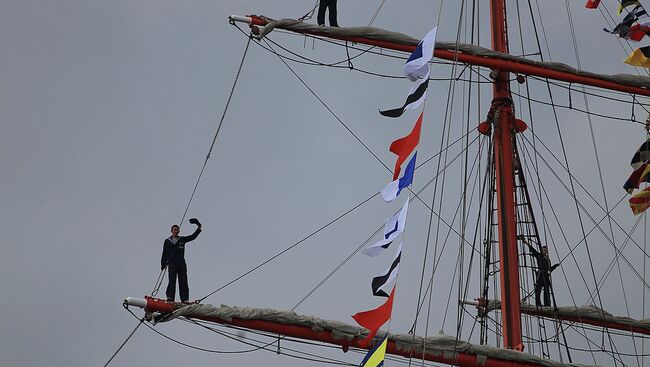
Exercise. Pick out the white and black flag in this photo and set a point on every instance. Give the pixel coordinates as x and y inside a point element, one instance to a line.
<point>416,96</point>
<point>394,227</point>
<point>383,282</point>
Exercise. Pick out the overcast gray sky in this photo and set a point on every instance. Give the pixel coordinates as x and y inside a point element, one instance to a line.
<point>108,110</point>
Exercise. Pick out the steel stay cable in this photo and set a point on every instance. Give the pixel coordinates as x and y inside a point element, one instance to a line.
<point>309,13</point>
<point>289,339</point>
<point>487,81</point>
<point>437,261</point>
<point>159,281</point>
<point>575,246</point>
<point>596,224</point>
<point>257,347</point>
<point>317,231</point>
<point>335,65</point>
<point>608,270</point>
<point>161,274</point>
<point>568,325</point>
<point>477,229</point>
<point>216,134</point>
<point>265,346</point>
<point>573,108</point>
<point>372,20</point>
<point>288,248</point>
<point>240,338</point>
<point>205,162</point>
<point>542,190</point>
<point>581,206</point>
<point>347,128</point>
<point>603,96</point>
<point>366,241</point>
<point>192,346</point>
<point>646,254</point>
<point>318,63</point>
<point>449,105</point>
<point>125,341</point>
<point>329,109</point>
<point>360,246</point>
<point>602,185</point>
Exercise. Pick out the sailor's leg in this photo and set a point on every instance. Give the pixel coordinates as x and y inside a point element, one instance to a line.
<point>320,18</point>
<point>547,292</point>
<point>182,283</point>
<point>538,290</point>
<point>171,286</point>
<point>333,21</point>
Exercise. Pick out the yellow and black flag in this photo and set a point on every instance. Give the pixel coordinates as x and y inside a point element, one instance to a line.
<point>640,57</point>
<point>625,3</point>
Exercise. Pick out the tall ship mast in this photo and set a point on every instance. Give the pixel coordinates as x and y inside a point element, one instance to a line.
<point>512,329</point>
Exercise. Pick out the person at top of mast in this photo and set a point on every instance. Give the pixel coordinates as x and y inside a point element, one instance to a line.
<point>323,5</point>
<point>173,257</point>
<point>544,269</point>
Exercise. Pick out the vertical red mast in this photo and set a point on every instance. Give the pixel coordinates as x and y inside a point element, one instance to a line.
<point>503,122</point>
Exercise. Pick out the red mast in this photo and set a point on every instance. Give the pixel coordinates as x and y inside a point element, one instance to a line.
<point>503,121</point>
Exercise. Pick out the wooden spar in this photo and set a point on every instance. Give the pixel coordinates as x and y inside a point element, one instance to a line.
<point>459,358</point>
<point>551,314</point>
<point>504,131</point>
<point>495,64</point>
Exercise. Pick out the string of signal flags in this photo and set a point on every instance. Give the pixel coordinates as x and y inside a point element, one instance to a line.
<point>633,27</point>
<point>384,284</point>
<point>640,201</point>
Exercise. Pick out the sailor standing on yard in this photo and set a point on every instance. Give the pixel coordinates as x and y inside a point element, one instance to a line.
<point>173,256</point>
<point>544,269</point>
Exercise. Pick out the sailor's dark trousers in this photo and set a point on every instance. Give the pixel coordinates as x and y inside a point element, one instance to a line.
<point>324,4</point>
<point>180,271</point>
<point>543,283</point>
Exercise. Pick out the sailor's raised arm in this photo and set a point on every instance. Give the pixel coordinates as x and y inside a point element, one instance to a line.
<point>194,235</point>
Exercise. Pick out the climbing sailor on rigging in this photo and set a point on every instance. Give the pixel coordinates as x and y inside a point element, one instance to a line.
<point>544,269</point>
<point>173,256</point>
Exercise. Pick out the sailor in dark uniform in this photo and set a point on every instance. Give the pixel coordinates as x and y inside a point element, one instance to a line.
<point>173,256</point>
<point>544,269</point>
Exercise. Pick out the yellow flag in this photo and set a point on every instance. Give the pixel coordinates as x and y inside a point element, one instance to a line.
<point>625,3</point>
<point>640,57</point>
<point>375,356</point>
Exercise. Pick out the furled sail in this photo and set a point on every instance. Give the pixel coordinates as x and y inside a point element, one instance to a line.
<point>583,314</point>
<point>381,35</point>
<point>439,348</point>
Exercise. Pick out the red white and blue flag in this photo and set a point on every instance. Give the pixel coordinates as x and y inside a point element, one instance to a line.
<point>403,147</point>
<point>393,189</point>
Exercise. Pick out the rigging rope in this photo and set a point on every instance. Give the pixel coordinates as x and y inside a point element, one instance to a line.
<point>162,271</point>
<point>216,134</point>
<point>161,275</point>
<point>602,184</point>
<point>125,340</point>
